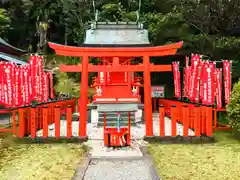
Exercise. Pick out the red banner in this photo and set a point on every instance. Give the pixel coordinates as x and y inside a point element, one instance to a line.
<point>33,65</point>
<point>40,79</point>
<point>1,82</point>
<point>201,83</point>
<point>195,59</point>
<point>8,84</point>
<point>176,75</point>
<point>196,92</point>
<point>19,85</point>
<point>219,88</point>
<point>227,80</point>
<point>50,78</point>
<point>210,81</point>
<point>186,81</point>
<point>204,82</point>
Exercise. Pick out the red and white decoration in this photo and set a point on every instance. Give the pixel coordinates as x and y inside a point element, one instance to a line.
<point>203,81</point>
<point>176,75</point>
<point>20,85</point>
<point>227,80</point>
<point>218,75</point>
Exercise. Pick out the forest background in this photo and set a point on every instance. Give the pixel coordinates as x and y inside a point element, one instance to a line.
<point>208,27</point>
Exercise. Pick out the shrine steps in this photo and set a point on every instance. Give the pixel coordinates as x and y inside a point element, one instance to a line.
<point>111,119</point>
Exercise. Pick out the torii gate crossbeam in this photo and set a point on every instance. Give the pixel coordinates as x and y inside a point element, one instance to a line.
<point>121,68</point>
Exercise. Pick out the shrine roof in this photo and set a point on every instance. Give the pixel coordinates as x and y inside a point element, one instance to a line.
<point>116,33</point>
<point>10,58</point>
<point>9,49</point>
<point>169,49</point>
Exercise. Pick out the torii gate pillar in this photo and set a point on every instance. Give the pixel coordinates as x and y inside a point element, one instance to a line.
<point>147,97</point>
<point>83,98</point>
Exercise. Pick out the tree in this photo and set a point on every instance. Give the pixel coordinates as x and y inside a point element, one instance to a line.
<point>4,22</point>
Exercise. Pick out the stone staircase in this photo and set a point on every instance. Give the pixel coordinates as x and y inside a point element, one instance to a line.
<point>111,119</point>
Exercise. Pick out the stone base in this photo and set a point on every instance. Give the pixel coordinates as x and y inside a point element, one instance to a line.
<point>93,116</point>
<point>41,140</point>
<point>180,139</point>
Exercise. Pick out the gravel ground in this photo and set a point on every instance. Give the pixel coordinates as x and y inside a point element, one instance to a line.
<point>121,168</point>
<point>96,133</point>
<point>5,120</point>
<point>117,170</point>
<point>98,150</point>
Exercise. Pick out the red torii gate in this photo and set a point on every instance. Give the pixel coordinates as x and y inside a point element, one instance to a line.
<point>146,67</point>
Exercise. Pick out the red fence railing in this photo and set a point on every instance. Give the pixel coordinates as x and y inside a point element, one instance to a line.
<point>195,118</point>
<point>157,102</point>
<point>12,118</point>
<point>28,120</point>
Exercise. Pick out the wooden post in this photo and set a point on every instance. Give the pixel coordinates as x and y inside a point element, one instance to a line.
<point>215,118</point>
<point>185,111</point>
<point>83,98</point>
<point>129,129</point>
<point>45,122</point>
<point>192,117</point>
<point>197,121</point>
<point>57,121</point>
<point>33,121</point>
<point>28,121</point>
<point>14,129</point>
<point>209,122</point>
<point>21,123</point>
<point>154,104</point>
<point>69,121</point>
<point>173,120</point>
<point>106,135</point>
<point>161,121</point>
<point>204,117</point>
<point>147,97</point>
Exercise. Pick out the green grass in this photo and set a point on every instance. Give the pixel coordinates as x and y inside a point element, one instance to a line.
<point>217,161</point>
<point>38,161</point>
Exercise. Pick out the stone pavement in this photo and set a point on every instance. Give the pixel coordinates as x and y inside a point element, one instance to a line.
<point>117,170</point>
<point>116,163</point>
<point>127,163</point>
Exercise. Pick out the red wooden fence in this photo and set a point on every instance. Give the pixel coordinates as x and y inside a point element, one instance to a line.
<point>167,104</point>
<point>32,119</point>
<point>196,118</point>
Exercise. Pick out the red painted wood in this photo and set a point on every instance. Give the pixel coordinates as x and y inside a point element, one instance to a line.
<point>84,98</point>
<point>69,121</point>
<point>197,121</point>
<point>33,122</point>
<point>57,121</point>
<point>173,121</point>
<point>147,97</point>
<point>45,122</point>
<point>121,68</point>
<point>21,123</point>
<point>162,121</point>
<point>185,120</point>
<point>209,121</point>
<point>169,49</point>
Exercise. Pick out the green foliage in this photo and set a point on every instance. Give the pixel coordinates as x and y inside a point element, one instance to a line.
<point>4,21</point>
<point>233,108</point>
<point>207,27</point>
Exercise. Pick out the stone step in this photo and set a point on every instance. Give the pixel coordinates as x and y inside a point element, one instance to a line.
<point>114,124</point>
<point>111,119</point>
<point>114,117</point>
<point>115,114</point>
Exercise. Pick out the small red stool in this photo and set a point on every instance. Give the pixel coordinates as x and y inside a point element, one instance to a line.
<point>113,138</point>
